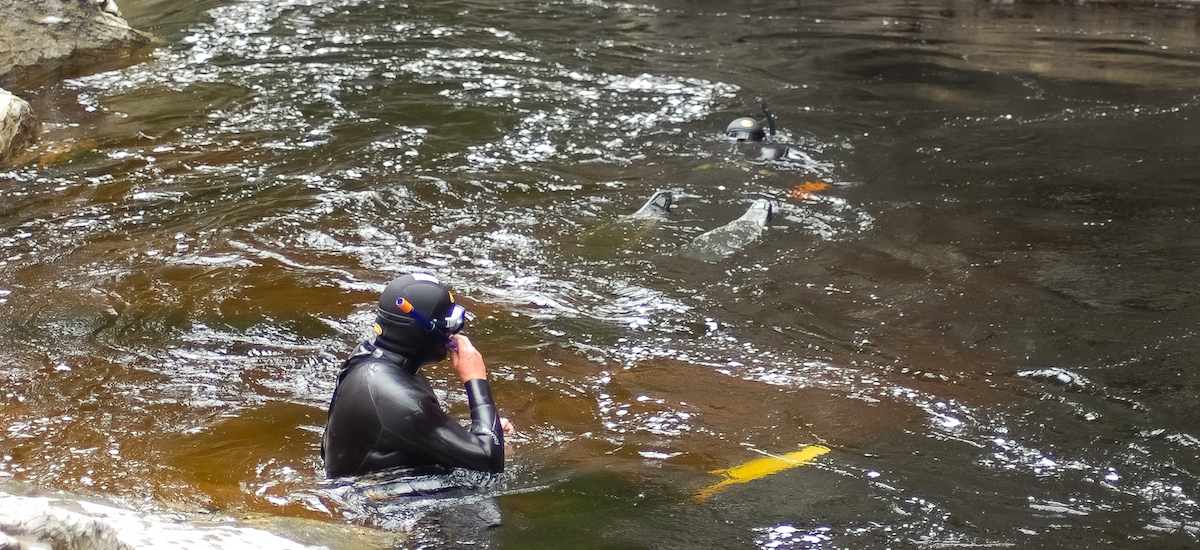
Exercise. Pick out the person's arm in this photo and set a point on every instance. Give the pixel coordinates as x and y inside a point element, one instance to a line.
<point>418,432</point>
<point>486,425</point>
<point>485,422</point>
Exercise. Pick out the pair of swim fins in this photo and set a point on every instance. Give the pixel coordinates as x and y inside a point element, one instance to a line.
<point>713,245</point>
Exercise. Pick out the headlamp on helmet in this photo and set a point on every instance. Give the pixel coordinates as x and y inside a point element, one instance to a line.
<point>745,129</point>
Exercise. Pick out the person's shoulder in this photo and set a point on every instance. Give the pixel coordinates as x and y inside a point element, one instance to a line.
<point>365,368</point>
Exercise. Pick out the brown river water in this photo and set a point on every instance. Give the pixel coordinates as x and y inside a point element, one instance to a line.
<point>977,288</point>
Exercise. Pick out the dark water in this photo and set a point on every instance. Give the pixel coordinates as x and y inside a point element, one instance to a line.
<point>989,314</point>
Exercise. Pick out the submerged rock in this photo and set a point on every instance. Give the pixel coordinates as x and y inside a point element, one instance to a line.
<point>41,37</point>
<point>17,124</point>
<point>62,524</point>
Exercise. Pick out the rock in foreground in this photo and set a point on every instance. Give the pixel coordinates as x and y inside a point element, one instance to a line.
<point>16,124</point>
<point>41,37</point>
<point>40,522</point>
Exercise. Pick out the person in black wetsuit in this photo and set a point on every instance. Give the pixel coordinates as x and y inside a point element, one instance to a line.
<point>384,413</point>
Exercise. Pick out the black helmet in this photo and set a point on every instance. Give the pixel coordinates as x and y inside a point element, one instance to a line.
<point>416,317</point>
<point>745,129</point>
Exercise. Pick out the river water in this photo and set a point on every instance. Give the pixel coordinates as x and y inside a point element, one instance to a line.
<point>977,289</point>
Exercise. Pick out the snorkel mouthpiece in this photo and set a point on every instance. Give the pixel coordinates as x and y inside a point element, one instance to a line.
<point>408,308</point>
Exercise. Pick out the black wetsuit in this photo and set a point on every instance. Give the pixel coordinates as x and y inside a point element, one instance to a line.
<point>384,414</point>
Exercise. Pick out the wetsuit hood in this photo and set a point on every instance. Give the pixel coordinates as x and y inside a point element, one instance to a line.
<point>409,333</point>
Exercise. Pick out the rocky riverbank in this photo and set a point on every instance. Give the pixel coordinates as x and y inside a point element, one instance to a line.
<point>46,39</point>
<point>32,519</point>
<point>17,125</point>
<point>73,524</point>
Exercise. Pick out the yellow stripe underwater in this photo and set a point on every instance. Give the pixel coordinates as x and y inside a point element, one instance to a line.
<point>762,467</point>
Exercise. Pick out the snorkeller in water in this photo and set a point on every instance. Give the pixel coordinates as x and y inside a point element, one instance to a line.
<point>384,413</point>
<point>745,135</point>
<point>749,137</point>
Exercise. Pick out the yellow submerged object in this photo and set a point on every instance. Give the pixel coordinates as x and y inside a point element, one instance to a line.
<point>762,467</point>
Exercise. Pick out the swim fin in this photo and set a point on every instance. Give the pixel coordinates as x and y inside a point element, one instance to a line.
<point>627,231</point>
<point>726,240</point>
